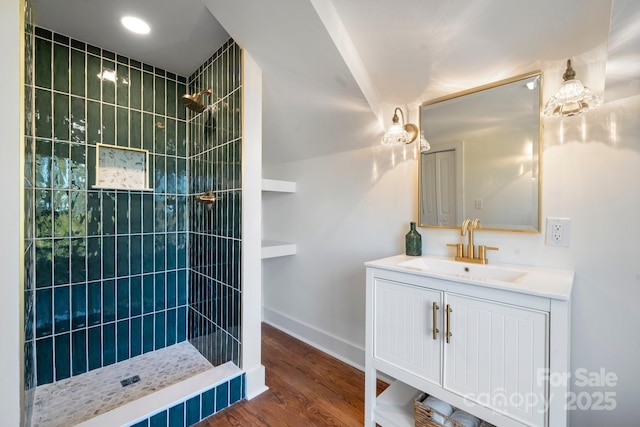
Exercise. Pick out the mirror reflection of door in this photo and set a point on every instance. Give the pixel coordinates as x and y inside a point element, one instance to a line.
<point>439,192</point>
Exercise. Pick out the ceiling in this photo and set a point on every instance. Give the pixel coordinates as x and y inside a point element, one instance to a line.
<point>334,69</point>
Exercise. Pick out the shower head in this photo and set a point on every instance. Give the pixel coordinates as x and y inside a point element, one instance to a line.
<point>193,102</point>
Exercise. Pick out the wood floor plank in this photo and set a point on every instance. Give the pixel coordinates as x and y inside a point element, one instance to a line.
<point>306,388</point>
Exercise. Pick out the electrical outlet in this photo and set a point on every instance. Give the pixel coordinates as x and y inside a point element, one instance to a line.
<point>558,232</point>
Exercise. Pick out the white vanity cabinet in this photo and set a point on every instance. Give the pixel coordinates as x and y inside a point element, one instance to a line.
<point>497,357</point>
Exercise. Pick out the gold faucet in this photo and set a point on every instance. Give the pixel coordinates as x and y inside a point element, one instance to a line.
<point>469,226</point>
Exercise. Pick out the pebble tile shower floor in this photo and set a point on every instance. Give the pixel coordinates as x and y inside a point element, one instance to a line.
<point>77,399</point>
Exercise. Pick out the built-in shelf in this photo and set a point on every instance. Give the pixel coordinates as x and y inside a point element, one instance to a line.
<point>273,248</point>
<point>278,186</point>
<point>394,406</point>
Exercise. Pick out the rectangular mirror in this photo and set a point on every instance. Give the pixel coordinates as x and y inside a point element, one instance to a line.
<point>484,160</point>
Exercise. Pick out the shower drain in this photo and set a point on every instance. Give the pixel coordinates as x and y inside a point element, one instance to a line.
<point>131,380</point>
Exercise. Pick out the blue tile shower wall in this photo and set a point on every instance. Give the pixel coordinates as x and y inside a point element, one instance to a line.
<point>110,266</point>
<point>215,150</point>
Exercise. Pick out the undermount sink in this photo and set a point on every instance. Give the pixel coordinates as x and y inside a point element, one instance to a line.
<point>477,272</point>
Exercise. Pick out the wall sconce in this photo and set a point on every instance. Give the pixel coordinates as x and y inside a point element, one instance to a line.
<point>400,133</point>
<point>572,98</point>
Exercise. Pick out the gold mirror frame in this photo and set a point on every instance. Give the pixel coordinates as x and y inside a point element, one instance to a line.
<point>438,145</point>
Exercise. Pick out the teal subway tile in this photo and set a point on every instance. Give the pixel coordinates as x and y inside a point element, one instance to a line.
<point>147,333</point>
<point>61,271</point>
<point>172,286</point>
<point>147,293</point>
<point>43,163</point>
<point>44,312</point>
<point>122,120</point>
<point>222,396</point>
<point>93,125</point>
<point>123,255</point>
<point>108,212</point>
<point>143,423</point>
<point>122,339</point>
<point>79,306</point>
<point>62,356</point>
<point>135,213</point>
<point>181,176</point>
<point>170,135</point>
<point>176,416</point>
<point>43,113</point>
<point>43,204</point>
<point>123,298</point>
<point>147,92</point>
<point>122,212</point>
<point>182,324</point>
<point>135,89</point>
<point>109,55</point>
<point>135,260</point>
<point>181,109</point>
<point>108,301</point>
<point>158,420</point>
<point>93,81</point>
<point>94,50</point>
<point>172,99</point>
<point>181,137</point>
<point>91,166</point>
<point>61,224</point>
<point>78,260</point>
<point>236,389</point>
<point>108,257</point>
<point>148,126</point>
<point>160,133</point>
<point>159,95</point>
<point>77,72</point>
<point>62,309</point>
<point>160,252</point>
<point>148,209</point>
<point>171,175</point>
<point>182,287</point>
<point>148,251</point>
<point>79,352</point>
<point>170,214</point>
<point>193,410</point>
<point>159,291</point>
<point>135,129</point>
<point>94,303</point>
<point>160,213</point>
<point>94,213</point>
<point>182,250</point>
<point>159,328</point>
<point>94,258</point>
<point>108,124</point>
<point>61,68</point>
<point>208,403</point>
<point>136,336</point>
<point>44,263</point>
<point>108,74</point>
<point>43,61</point>
<point>61,156</point>
<point>78,167</point>
<point>78,211</point>
<point>44,361</point>
<point>172,323</point>
<point>136,295</point>
<point>94,348</point>
<point>109,344</point>
<point>122,85</point>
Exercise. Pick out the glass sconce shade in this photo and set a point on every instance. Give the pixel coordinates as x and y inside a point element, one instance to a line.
<point>399,133</point>
<point>572,98</point>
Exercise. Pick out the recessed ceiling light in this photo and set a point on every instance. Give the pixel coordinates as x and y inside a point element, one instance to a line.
<point>135,24</point>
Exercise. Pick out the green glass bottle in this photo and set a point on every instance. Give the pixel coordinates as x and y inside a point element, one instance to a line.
<point>413,241</point>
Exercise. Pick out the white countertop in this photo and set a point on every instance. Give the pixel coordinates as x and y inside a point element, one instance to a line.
<point>538,281</point>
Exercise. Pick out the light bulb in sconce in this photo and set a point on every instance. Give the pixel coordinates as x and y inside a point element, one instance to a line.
<point>572,97</point>
<point>400,133</point>
<point>424,144</point>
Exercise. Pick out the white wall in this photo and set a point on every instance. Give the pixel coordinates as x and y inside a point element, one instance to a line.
<point>354,206</point>
<point>10,259</point>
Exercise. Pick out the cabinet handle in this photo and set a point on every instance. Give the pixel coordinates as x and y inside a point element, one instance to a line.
<point>435,320</point>
<point>448,332</point>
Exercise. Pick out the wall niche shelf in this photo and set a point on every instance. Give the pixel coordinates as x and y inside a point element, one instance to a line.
<point>274,248</point>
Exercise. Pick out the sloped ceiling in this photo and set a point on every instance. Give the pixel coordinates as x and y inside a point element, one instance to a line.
<point>334,69</point>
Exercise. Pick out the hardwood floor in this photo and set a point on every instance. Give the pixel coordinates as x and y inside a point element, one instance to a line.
<point>306,388</point>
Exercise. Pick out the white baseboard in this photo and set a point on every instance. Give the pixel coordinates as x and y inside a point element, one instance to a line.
<point>255,382</point>
<point>323,341</point>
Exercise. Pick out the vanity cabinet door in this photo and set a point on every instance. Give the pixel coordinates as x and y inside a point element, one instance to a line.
<point>496,356</point>
<point>404,333</point>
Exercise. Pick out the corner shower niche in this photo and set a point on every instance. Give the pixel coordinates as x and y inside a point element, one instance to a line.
<point>121,282</point>
<point>276,248</point>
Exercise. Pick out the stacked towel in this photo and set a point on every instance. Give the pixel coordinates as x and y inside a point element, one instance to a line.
<point>442,407</point>
<point>463,418</point>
